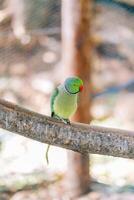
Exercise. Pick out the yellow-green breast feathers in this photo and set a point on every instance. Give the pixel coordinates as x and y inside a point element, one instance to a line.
<point>64,98</point>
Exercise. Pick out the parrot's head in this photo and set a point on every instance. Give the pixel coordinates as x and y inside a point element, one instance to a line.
<point>73,85</point>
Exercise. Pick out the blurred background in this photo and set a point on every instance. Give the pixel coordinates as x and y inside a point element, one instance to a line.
<point>30,68</point>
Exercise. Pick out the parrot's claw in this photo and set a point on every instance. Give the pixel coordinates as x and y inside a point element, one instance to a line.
<point>67,121</point>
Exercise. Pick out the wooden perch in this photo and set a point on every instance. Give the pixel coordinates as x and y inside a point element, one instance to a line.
<point>78,137</point>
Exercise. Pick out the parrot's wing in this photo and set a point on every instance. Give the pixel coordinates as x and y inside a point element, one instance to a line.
<point>53,96</point>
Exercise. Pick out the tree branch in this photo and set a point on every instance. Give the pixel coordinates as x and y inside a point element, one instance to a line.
<point>78,137</point>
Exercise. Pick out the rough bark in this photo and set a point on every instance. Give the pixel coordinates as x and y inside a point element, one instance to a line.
<point>78,137</point>
<point>76,59</point>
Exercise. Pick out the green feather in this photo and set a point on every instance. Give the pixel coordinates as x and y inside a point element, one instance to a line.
<point>53,96</point>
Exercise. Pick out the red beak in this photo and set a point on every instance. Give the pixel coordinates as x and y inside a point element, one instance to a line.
<point>81,88</point>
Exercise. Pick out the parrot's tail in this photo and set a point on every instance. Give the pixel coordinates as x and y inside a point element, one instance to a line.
<point>48,147</point>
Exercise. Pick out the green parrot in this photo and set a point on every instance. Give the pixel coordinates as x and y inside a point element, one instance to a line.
<point>64,101</point>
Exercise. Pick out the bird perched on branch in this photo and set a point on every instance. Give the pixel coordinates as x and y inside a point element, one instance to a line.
<point>64,101</point>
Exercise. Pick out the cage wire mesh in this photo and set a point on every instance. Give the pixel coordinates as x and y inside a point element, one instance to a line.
<point>114,26</point>
<point>30,47</point>
<point>25,27</point>
<point>31,20</point>
<point>113,60</point>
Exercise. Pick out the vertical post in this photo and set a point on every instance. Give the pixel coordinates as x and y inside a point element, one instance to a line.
<point>76,60</point>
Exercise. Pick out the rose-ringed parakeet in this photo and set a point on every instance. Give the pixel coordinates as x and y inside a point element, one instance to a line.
<point>64,100</point>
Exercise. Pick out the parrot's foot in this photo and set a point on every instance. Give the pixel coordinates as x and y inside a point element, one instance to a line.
<point>67,121</point>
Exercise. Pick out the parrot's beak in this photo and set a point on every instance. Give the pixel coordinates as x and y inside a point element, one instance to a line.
<point>81,88</point>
